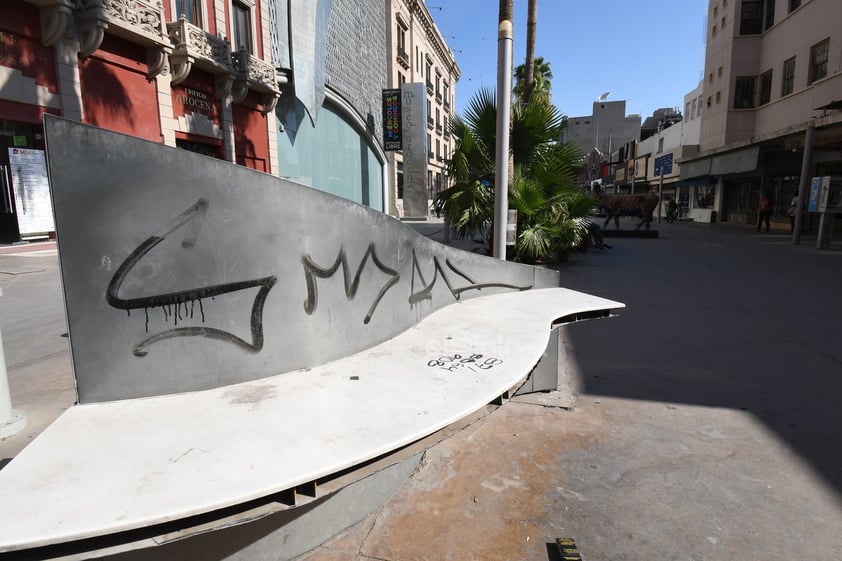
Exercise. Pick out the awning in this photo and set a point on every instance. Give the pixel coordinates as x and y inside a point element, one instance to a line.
<point>701,180</point>
<point>739,161</point>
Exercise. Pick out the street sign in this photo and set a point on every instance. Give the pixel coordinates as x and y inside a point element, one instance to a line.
<point>663,165</point>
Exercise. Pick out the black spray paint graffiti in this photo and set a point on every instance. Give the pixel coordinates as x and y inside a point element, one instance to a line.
<point>425,293</point>
<point>311,271</point>
<point>469,361</point>
<point>172,303</point>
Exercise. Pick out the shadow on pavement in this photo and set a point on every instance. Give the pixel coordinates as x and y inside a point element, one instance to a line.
<point>722,317</point>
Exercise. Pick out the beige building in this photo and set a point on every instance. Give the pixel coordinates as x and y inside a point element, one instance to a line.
<point>772,69</point>
<point>418,53</point>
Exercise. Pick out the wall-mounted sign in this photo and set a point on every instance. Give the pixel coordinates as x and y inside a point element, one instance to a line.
<point>663,165</point>
<point>32,191</point>
<point>392,128</point>
<point>195,100</point>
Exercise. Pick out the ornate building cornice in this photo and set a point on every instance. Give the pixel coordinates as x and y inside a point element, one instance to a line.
<point>419,10</point>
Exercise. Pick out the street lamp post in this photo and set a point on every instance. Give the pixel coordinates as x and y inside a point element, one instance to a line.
<point>504,103</point>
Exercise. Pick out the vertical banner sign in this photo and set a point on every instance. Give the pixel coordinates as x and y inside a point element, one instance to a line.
<point>32,191</point>
<point>413,123</point>
<point>815,188</point>
<point>392,120</point>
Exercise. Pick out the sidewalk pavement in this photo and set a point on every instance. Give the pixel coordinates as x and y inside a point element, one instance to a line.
<point>706,425</point>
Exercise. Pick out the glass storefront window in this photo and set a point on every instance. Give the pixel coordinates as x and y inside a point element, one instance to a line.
<point>705,196</point>
<point>333,157</point>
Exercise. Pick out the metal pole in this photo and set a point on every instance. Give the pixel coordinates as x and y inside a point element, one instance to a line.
<point>803,183</point>
<point>661,193</point>
<point>504,104</point>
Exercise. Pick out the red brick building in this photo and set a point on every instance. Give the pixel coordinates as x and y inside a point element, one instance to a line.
<point>196,74</point>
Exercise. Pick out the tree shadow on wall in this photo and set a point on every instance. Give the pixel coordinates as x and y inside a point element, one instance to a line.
<point>105,98</point>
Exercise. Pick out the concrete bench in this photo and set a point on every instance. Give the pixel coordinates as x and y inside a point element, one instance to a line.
<point>143,462</point>
<point>243,345</point>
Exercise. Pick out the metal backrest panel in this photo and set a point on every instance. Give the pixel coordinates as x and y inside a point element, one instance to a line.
<point>183,272</point>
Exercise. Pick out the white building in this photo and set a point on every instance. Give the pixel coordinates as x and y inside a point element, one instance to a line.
<point>772,69</point>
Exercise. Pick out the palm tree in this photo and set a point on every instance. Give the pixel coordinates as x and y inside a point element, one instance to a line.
<point>542,85</point>
<point>551,211</point>
<point>531,28</point>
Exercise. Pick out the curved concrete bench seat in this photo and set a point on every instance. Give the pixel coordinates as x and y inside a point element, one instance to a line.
<point>147,461</point>
<point>241,342</point>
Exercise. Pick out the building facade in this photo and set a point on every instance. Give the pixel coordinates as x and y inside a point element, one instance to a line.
<point>196,74</point>
<point>418,53</point>
<point>773,69</point>
<point>605,129</point>
<point>332,54</point>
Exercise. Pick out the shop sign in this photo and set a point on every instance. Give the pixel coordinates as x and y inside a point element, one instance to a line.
<point>195,100</point>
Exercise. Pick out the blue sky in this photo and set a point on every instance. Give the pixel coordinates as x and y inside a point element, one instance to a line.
<point>649,53</point>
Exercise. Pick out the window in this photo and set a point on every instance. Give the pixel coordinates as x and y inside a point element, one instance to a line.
<point>751,17</point>
<point>765,88</point>
<point>818,60</point>
<point>403,56</point>
<point>191,10</point>
<point>744,92</point>
<point>722,23</point>
<point>794,5</point>
<point>699,108</point>
<point>718,96</point>
<point>770,13</point>
<point>660,145</point>
<point>788,82</point>
<point>714,30</point>
<point>242,27</point>
<point>719,72</point>
<point>401,37</point>
<point>710,78</point>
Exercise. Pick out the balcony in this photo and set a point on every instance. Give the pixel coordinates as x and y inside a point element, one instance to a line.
<point>403,58</point>
<point>438,97</point>
<point>446,105</point>
<point>430,123</point>
<point>256,75</point>
<point>439,128</point>
<point>194,46</point>
<point>430,88</point>
<point>138,21</point>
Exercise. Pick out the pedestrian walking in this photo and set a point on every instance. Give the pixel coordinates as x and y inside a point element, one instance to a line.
<point>793,211</point>
<point>765,212</point>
